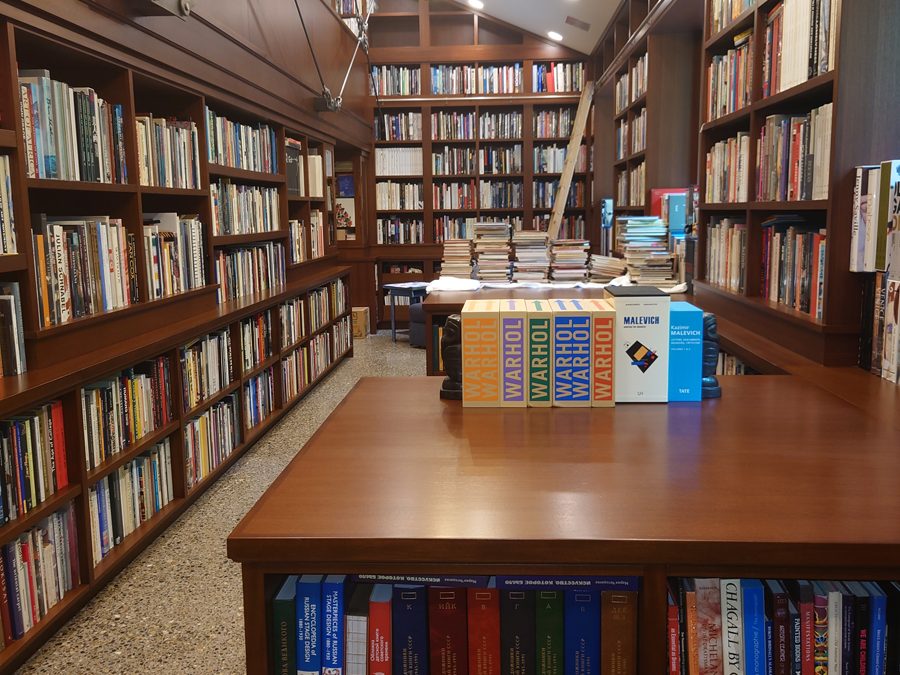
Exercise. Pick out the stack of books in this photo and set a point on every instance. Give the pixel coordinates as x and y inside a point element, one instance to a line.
<point>644,241</point>
<point>604,268</point>
<point>532,257</point>
<point>492,251</point>
<point>568,259</point>
<point>457,258</point>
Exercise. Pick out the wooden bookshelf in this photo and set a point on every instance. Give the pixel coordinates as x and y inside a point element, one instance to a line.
<point>64,358</point>
<point>858,136</point>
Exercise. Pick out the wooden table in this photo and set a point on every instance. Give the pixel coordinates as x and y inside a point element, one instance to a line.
<point>778,478</point>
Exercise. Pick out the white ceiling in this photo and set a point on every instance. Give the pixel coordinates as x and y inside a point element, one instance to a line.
<point>540,16</point>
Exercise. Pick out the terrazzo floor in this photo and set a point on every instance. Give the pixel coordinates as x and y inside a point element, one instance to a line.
<point>177,608</point>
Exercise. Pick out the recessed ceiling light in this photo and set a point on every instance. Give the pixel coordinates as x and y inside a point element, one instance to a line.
<point>477,4</point>
<point>552,34</point>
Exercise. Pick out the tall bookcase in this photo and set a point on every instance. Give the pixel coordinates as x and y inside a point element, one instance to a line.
<point>303,344</point>
<point>422,35</point>
<point>863,131</point>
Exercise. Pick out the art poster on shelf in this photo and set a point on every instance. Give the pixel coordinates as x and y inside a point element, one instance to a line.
<point>345,185</point>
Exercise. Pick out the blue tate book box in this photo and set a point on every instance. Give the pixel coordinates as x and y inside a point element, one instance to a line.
<point>685,352</point>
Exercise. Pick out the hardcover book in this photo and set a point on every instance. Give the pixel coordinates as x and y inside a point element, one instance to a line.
<point>571,354</point>
<point>642,344</point>
<point>685,352</point>
<point>309,617</point>
<point>550,628</point>
<point>357,630</point>
<point>334,590</point>
<point>380,645</point>
<point>754,627</point>
<point>410,630</point>
<point>618,634</point>
<point>513,315</point>
<point>889,178</point>
<point>709,626</point>
<point>820,627</point>
<point>777,611</point>
<point>481,353</point>
<point>603,332</point>
<point>582,632</point>
<point>517,633</point>
<point>878,627</point>
<point>673,645</point>
<point>891,334</point>
<point>802,596</point>
<point>732,625</point>
<point>447,629</point>
<point>283,641</point>
<point>540,354</point>
<point>483,606</point>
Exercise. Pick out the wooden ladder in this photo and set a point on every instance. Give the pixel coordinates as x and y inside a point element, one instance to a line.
<point>565,181</point>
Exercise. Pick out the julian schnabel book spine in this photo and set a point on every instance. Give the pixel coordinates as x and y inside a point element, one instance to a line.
<point>571,354</point>
<point>333,592</point>
<point>309,599</point>
<point>410,630</point>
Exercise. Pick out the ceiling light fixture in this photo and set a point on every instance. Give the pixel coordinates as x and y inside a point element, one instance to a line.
<point>552,34</point>
<point>477,4</point>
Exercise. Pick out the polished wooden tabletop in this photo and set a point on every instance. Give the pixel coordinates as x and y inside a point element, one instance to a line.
<point>441,302</point>
<point>777,471</point>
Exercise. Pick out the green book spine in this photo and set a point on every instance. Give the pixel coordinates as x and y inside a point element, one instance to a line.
<point>283,639</point>
<point>539,355</point>
<point>549,627</point>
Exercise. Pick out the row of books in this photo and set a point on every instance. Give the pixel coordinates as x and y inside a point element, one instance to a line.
<point>210,438</point>
<point>637,185</point>
<point>729,78</point>
<point>342,334</point>
<point>120,502</point>
<point>205,367</point>
<point>557,77</point>
<point>398,161</point>
<point>622,92</point>
<point>259,397</point>
<point>12,330</point>
<point>350,625</point>
<point>793,263</point>
<point>33,460</point>
<point>500,79</point>
<point>760,626</point>
<point>242,146</point>
<point>295,373</point>
<point>174,254</point>
<point>552,158</point>
<point>801,42</point>
<point>249,270</point>
<point>319,308</point>
<point>500,125</point>
<point>397,230</point>
<point>168,152</point>
<point>396,80</point>
<point>622,138</point>
<point>37,569</point>
<point>728,170</point>
<point>639,77</point>
<point>448,229</point>
<point>454,80</point>
<point>726,254</point>
<point>293,321</point>
<point>70,133</point>
<point>118,412</point>
<point>321,353</point>
<point>723,12</point>
<point>390,196</point>
<point>337,294</point>
<point>453,126</point>
<point>729,364</point>
<point>545,192</point>
<point>256,340</point>
<point>501,159</point>
<point>454,195</point>
<point>298,241</point>
<point>880,343</point>
<point>622,196</point>
<point>793,158</point>
<point>8,242</point>
<point>453,161</point>
<point>243,209</point>
<point>398,126</point>
<point>874,243</point>
<point>554,123</point>
<point>83,266</point>
<point>568,349</point>
<point>638,132</point>
<point>501,194</point>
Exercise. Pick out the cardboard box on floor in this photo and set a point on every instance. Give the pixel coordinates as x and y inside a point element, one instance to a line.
<point>360,322</point>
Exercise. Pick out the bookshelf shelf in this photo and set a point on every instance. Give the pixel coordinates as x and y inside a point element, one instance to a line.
<point>253,237</point>
<point>79,185</point>
<point>724,38</point>
<point>798,318</point>
<point>172,192</point>
<point>260,367</point>
<point>57,500</point>
<point>387,144</point>
<point>218,170</point>
<point>8,138</point>
<point>397,177</point>
<point>212,400</point>
<point>817,90</point>
<point>805,205</point>
<point>142,445</point>
<point>13,262</point>
<point>297,199</point>
<point>736,119</point>
<point>725,206</point>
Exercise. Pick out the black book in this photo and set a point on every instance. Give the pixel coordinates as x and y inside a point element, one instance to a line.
<point>292,162</point>
<point>892,590</point>
<point>517,633</point>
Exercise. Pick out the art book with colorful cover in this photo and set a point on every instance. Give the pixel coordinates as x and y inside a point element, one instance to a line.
<point>513,345</point>
<point>802,596</point>
<point>481,353</point>
<point>732,625</point>
<point>709,626</point>
<point>891,334</point>
<point>889,178</point>
<point>550,629</point>
<point>571,354</point>
<point>642,343</point>
<point>309,628</point>
<point>483,605</point>
<point>448,633</point>
<point>540,353</point>
<point>410,630</point>
<point>582,632</point>
<point>380,645</point>
<point>685,352</point>
<point>334,590</point>
<point>603,332</point>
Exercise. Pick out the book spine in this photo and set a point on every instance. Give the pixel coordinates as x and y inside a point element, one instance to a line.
<point>571,359</point>
<point>282,640</point>
<point>517,632</point>
<point>380,648</point>
<point>582,632</point>
<point>513,359</point>
<point>754,627</point>
<point>549,632</point>
<point>674,651</point>
<point>333,601</point>
<point>820,632</point>
<point>539,360</point>
<point>618,633</point>
<point>410,630</point>
<point>447,626</point>
<point>309,602</point>
<point>602,345</point>
<point>733,626</point>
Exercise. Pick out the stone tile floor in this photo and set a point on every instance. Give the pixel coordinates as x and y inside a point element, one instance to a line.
<point>177,608</point>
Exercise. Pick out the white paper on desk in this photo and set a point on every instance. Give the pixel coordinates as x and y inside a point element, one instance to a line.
<point>407,284</point>
<point>453,284</point>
